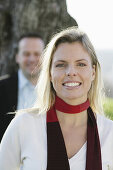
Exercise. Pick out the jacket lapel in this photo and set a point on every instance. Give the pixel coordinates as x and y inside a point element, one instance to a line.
<point>12,91</point>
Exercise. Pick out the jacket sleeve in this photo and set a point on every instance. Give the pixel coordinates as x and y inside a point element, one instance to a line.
<point>10,156</point>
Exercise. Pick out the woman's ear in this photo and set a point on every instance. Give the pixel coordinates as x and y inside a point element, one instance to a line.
<point>50,77</point>
<point>93,72</point>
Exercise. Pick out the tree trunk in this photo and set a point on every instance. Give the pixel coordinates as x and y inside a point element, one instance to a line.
<point>21,16</point>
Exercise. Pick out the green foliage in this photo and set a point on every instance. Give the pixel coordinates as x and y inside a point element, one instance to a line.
<point>108,107</point>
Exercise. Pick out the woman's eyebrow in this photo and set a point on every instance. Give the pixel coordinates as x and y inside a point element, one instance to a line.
<point>81,60</point>
<point>75,61</point>
<point>60,61</point>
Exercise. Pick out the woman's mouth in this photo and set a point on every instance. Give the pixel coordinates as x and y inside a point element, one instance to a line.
<point>73,84</point>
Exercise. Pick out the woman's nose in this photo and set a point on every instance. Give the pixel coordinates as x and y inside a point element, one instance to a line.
<point>71,71</point>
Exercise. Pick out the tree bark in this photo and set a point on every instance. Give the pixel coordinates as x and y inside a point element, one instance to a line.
<point>21,16</point>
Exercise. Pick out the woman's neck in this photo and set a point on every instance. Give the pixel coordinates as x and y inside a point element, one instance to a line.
<point>74,120</point>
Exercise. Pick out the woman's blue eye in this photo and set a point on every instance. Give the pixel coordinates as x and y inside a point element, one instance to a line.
<point>60,65</point>
<point>81,64</point>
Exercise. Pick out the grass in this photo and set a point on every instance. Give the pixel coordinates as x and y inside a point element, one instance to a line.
<point>108,107</point>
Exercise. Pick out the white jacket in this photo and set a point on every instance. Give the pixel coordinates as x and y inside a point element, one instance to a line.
<point>25,144</point>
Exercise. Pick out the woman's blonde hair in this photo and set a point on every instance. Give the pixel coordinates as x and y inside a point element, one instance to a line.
<point>45,91</point>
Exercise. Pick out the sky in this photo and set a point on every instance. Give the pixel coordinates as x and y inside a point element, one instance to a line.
<point>95,17</point>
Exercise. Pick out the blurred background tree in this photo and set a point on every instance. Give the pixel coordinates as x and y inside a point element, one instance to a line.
<point>44,16</point>
<point>22,16</point>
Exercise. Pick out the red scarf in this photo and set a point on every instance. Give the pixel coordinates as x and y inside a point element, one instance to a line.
<point>57,158</point>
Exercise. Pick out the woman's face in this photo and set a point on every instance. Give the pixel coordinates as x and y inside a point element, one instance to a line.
<point>72,72</point>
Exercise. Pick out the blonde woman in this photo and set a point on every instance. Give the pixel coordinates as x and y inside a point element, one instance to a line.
<point>65,130</point>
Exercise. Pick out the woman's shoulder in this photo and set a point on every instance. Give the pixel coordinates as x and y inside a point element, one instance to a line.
<point>24,123</point>
<point>105,124</point>
<point>29,115</point>
<point>104,119</point>
<point>28,119</point>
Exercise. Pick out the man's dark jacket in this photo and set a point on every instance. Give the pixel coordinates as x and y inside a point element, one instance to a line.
<point>8,101</point>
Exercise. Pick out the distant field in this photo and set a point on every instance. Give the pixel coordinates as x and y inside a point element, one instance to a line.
<point>108,107</point>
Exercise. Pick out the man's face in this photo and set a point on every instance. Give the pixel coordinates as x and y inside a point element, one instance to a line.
<point>28,57</point>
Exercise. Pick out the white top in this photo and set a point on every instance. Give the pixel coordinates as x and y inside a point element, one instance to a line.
<point>26,92</point>
<point>78,161</point>
<point>25,142</point>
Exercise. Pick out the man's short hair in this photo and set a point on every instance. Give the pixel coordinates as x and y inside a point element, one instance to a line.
<point>30,35</point>
<point>27,35</point>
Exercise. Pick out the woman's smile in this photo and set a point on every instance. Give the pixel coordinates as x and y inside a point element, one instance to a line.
<point>71,85</point>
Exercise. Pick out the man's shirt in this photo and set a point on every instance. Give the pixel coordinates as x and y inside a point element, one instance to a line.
<point>26,92</point>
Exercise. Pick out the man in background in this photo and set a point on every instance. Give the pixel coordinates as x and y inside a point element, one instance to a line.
<point>17,91</point>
